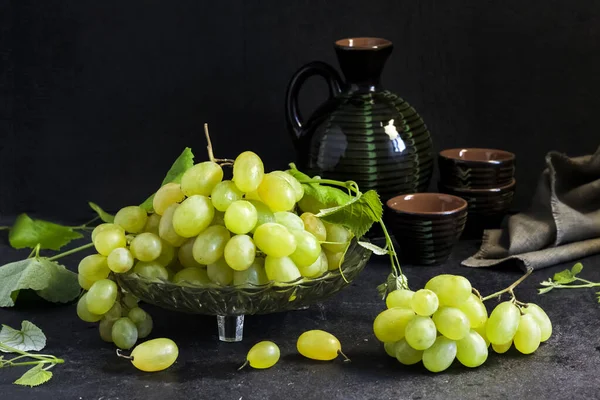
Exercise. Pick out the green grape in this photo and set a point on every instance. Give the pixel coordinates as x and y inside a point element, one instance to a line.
<point>451,322</point>
<point>151,270</point>
<point>146,247</point>
<point>241,217</point>
<point>84,283</point>
<point>201,178</point>
<point>319,345</point>
<point>248,171</point>
<point>424,302</point>
<point>289,220</point>
<point>168,194</point>
<point>399,298</point>
<point>338,234</point>
<point>307,250</point>
<point>281,269</point>
<point>390,349</point>
<point>440,355</point>
<point>124,333</point>
<point>225,193</point>
<point>528,335</point>
<point>316,269</point>
<point>254,275</point>
<point>503,323</point>
<point>219,272</point>
<point>167,254</point>
<point>263,213</point>
<point>192,275</point>
<point>210,244</point>
<point>185,254</point>
<point>142,320</point>
<point>108,240</point>
<point>262,355</point>
<point>314,225</point>
<point>277,193</point>
<point>115,312</point>
<point>101,296</point>
<point>452,290</point>
<point>407,355</point>
<point>475,310</point>
<point>93,268</point>
<point>166,230</point>
<point>130,301</point>
<point>274,240</point>
<point>253,195</point>
<point>334,260</point>
<point>105,328</point>
<point>152,224</point>
<point>471,350</point>
<point>309,204</point>
<point>390,324</point>
<point>420,332</point>
<point>193,216</point>
<point>154,355</point>
<point>83,313</point>
<point>296,186</point>
<point>219,218</point>
<point>482,332</point>
<point>240,252</point>
<point>120,260</point>
<point>106,226</point>
<point>502,348</point>
<point>132,218</point>
<point>541,318</point>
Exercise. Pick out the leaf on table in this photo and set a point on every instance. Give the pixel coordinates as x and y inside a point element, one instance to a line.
<point>563,277</point>
<point>545,290</point>
<point>184,162</point>
<point>34,377</point>
<point>104,216</point>
<point>576,269</point>
<point>27,232</point>
<point>29,338</point>
<point>49,279</point>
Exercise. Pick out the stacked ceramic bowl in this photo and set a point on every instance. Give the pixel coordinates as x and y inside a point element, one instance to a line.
<point>484,178</point>
<point>426,225</point>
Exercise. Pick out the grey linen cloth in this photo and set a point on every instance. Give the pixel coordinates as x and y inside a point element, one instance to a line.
<point>561,225</point>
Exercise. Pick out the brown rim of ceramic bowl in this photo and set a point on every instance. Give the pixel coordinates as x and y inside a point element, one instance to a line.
<point>478,155</point>
<point>500,189</point>
<point>427,204</point>
<point>363,43</point>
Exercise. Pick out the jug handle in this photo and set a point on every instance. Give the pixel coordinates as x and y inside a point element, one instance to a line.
<point>293,118</point>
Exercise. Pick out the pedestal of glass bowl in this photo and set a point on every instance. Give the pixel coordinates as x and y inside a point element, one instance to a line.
<point>231,303</point>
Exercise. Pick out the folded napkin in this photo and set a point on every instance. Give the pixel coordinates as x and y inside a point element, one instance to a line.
<point>562,223</point>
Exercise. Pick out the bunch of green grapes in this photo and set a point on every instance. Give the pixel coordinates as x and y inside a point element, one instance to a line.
<point>207,230</point>
<point>446,320</point>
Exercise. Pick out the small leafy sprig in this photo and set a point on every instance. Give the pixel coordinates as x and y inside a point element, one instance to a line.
<point>21,342</point>
<point>568,279</point>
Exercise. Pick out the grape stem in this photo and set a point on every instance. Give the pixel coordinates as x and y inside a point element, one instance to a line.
<point>5,228</point>
<point>211,155</point>
<point>69,252</point>
<point>509,289</point>
<point>346,359</point>
<point>243,365</point>
<point>39,358</point>
<point>119,354</point>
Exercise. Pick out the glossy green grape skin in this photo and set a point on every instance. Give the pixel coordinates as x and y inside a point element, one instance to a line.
<point>277,193</point>
<point>440,355</point>
<point>289,220</point>
<point>405,354</point>
<point>185,254</point>
<point>167,254</point>
<point>316,269</point>
<point>502,348</point>
<point>263,355</point>
<point>263,213</point>
<point>248,171</point>
<point>105,329</point>
<point>115,312</point>
<point>452,290</point>
<point>201,178</point>
<point>193,216</point>
<point>528,335</point>
<point>155,355</point>
<point>334,260</point>
<point>482,332</point>
<point>424,302</point>
<point>399,298</point>
<point>390,349</point>
<point>503,323</point>
<point>105,226</point>
<point>254,275</point>
<point>541,318</point>
<point>475,310</point>
<point>225,193</point>
<point>108,240</point>
<point>471,351</point>
<point>220,273</point>
<point>338,234</point>
<point>93,267</point>
<point>318,345</point>
<point>168,194</point>
<point>124,333</point>
<point>274,240</point>
<point>192,275</point>
<point>120,260</point>
<point>307,250</point>
<point>390,324</point>
<point>165,227</point>
<point>296,186</point>
<point>151,270</point>
<point>152,224</point>
<point>83,313</point>
<point>314,225</point>
<point>240,252</point>
<point>451,322</point>
<point>146,246</point>
<point>132,218</point>
<point>210,244</point>
<point>101,296</point>
<point>241,217</point>
<point>420,332</point>
<point>281,269</point>
<point>142,320</point>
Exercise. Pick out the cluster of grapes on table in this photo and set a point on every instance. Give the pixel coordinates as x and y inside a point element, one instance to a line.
<point>207,230</point>
<point>447,320</point>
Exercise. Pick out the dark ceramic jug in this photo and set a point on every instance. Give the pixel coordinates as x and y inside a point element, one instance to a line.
<point>363,132</point>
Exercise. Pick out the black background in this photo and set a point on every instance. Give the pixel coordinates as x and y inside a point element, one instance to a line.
<point>98,98</point>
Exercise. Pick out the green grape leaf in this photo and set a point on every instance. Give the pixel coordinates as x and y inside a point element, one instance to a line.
<point>29,338</point>
<point>576,269</point>
<point>184,162</point>
<point>545,289</point>
<point>563,277</point>
<point>104,216</point>
<point>392,283</point>
<point>34,377</point>
<point>27,232</point>
<point>375,249</point>
<point>50,280</point>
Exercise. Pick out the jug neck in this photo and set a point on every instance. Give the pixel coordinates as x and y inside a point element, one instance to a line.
<point>362,60</point>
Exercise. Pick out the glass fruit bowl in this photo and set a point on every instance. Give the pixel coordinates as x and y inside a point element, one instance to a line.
<point>231,303</point>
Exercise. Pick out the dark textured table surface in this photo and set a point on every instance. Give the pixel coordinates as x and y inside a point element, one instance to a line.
<point>566,367</point>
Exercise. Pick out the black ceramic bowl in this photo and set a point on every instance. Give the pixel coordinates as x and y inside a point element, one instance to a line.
<point>476,168</point>
<point>426,225</point>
